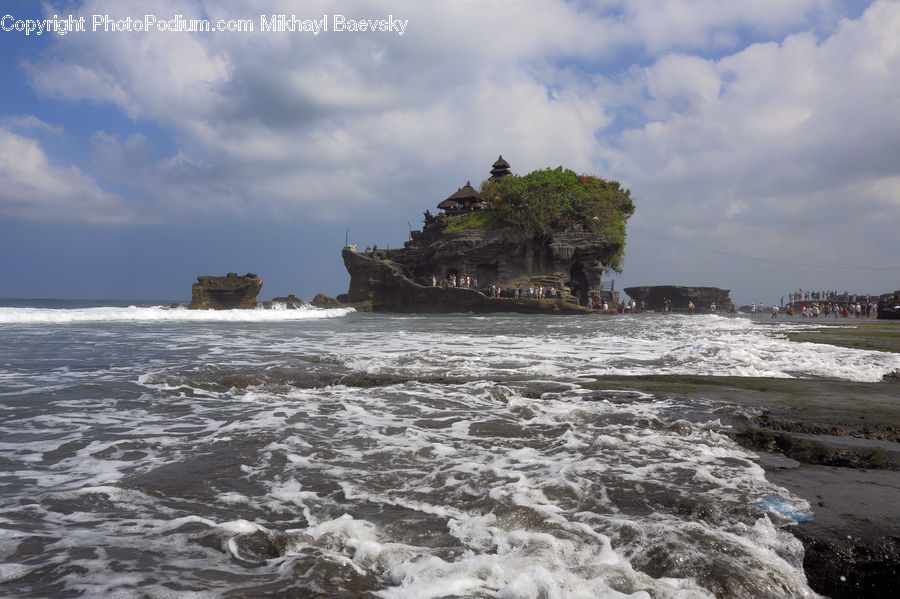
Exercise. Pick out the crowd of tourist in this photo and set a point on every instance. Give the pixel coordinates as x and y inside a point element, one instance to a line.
<point>455,281</point>
<point>805,304</point>
<point>857,307</point>
<point>863,309</point>
<point>827,296</point>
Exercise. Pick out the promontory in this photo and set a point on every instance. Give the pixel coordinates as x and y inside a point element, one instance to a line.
<point>538,243</point>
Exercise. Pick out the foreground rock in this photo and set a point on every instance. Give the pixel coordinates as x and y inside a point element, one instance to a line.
<point>703,297</point>
<point>225,293</point>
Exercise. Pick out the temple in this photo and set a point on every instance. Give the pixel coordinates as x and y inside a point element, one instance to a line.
<point>500,169</point>
<point>464,200</point>
<point>473,268</point>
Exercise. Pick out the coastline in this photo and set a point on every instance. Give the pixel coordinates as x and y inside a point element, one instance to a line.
<point>834,443</point>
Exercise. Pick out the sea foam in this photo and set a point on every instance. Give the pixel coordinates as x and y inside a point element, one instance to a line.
<point>160,313</point>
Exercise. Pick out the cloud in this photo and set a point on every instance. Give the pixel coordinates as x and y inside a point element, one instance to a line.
<point>283,123</point>
<point>735,124</point>
<point>35,189</point>
<point>29,122</point>
<point>805,132</point>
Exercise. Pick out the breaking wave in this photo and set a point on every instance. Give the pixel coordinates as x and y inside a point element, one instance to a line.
<point>162,314</point>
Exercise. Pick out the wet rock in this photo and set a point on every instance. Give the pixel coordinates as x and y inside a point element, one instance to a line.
<point>290,301</point>
<point>816,451</point>
<point>889,307</point>
<point>323,301</point>
<point>225,293</point>
<point>849,567</point>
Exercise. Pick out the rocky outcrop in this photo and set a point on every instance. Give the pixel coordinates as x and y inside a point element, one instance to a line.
<point>225,293</point>
<point>381,285</point>
<point>702,297</point>
<point>419,277</point>
<point>889,307</point>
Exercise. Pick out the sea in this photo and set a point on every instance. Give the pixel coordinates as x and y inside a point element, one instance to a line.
<point>162,453</point>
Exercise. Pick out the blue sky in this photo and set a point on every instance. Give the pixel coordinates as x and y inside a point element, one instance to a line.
<point>761,141</point>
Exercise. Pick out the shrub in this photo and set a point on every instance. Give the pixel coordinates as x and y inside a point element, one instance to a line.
<point>549,200</point>
<point>482,220</point>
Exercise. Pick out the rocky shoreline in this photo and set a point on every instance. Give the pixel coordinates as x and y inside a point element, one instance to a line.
<point>834,443</point>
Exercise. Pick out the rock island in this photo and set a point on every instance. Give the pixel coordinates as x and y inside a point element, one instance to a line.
<point>538,243</point>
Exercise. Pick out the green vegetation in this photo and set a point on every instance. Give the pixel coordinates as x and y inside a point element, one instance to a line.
<point>481,219</point>
<point>554,200</point>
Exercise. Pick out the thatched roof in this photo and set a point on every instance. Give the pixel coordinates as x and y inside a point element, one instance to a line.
<point>465,194</point>
<point>448,204</point>
<point>501,163</point>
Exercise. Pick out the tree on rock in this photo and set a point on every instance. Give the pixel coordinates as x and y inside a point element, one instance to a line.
<point>559,200</point>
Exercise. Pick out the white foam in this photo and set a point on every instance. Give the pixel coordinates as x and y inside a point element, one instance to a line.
<point>10,572</point>
<point>162,314</point>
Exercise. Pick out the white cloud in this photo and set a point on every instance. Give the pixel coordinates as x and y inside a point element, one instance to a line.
<point>29,122</point>
<point>730,143</point>
<point>35,189</point>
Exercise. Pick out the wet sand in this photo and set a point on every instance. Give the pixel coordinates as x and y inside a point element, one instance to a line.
<point>834,443</point>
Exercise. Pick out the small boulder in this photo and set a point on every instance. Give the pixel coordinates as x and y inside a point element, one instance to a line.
<point>291,301</point>
<point>323,301</point>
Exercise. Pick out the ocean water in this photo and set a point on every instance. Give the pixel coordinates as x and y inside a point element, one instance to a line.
<point>149,452</point>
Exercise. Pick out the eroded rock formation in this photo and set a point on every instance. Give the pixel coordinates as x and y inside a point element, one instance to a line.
<point>417,277</point>
<point>225,293</point>
<point>702,297</point>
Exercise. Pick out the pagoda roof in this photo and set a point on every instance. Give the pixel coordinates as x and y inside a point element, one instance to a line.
<point>501,163</point>
<point>448,204</point>
<point>466,193</point>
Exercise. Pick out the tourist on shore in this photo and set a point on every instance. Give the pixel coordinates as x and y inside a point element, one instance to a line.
<point>774,311</point>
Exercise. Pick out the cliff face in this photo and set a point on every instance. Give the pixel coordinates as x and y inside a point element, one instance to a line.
<point>225,293</point>
<point>403,280</point>
<point>701,296</point>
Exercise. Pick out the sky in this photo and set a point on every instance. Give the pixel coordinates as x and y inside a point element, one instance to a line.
<point>760,141</point>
